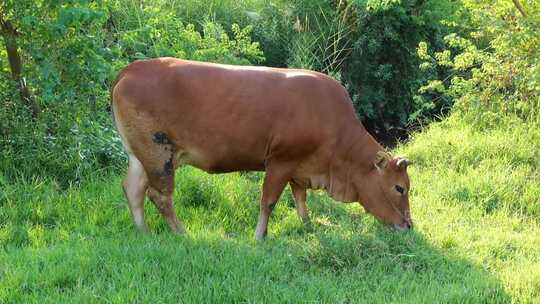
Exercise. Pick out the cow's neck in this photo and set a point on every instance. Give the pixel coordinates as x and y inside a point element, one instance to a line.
<point>353,155</point>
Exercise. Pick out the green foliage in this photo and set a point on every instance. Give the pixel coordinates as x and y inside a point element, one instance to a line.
<point>158,33</point>
<point>382,72</point>
<point>370,47</point>
<point>72,52</point>
<point>495,68</point>
<point>266,18</point>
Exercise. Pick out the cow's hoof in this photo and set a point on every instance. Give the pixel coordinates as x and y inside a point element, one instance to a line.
<point>143,229</point>
<point>308,226</point>
<point>260,236</point>
<point>179,230</point>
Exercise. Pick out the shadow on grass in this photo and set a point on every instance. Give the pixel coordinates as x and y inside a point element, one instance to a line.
<point>370,258</point>
<point>395,266</point>
<point>349,258</point>
<point>376,268</point>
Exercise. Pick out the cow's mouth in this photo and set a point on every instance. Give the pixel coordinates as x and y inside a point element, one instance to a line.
<point>407,224</point>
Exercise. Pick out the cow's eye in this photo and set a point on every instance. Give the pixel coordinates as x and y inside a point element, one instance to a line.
<point>399,189</point>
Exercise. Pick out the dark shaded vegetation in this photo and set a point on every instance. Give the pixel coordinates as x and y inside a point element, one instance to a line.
<point>69,53</point>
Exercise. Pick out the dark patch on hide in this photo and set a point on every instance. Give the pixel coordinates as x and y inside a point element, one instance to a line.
<point>161,138</point>
<point>168,168</point>
<point>167,145</point>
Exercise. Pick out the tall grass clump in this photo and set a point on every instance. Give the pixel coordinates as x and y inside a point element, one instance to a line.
<point>322,36</point>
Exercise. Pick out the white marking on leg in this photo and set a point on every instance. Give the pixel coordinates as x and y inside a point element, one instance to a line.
<point>135,186</point>
<point>262,226</point>
<point>138,216</point>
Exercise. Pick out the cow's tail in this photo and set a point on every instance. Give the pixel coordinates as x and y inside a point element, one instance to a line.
<point>115,82</point>
<point>117,123</point>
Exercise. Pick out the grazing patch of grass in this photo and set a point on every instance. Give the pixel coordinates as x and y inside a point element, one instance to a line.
<point>475,201</point>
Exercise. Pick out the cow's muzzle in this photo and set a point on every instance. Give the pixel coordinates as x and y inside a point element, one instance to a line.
<point>406,224</point>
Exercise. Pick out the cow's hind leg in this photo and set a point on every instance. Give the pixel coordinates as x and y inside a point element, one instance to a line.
<point>135,184</point>
<point>160,164</point>
<point>162,199</point>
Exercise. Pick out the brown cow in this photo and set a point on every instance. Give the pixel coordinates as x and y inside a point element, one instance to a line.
<point>297,125</point>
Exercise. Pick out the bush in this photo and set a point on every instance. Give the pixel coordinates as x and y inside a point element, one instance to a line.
<point>495,69</point>
<point>72,53</point>
<point>266,18</point>
<point>370,47</point>
<point>383,71</point>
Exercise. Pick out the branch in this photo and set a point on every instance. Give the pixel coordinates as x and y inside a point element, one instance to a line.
<point>520,8</point>
<point>2,22</point>
<point>418,7</point>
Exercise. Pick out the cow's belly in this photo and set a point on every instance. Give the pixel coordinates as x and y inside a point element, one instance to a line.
<point>219,163</point>
<point>343,191</point>
<point>312,181</point>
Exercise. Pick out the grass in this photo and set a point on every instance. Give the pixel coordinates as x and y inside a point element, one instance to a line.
<point>475,202</point>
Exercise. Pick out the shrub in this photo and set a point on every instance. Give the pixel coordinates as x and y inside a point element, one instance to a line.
<point>495,69</point>
<point>72,53</point>
<point>370,47</point>
<point>383,71</point>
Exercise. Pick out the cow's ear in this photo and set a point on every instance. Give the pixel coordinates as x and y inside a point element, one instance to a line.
<point>381,160</point>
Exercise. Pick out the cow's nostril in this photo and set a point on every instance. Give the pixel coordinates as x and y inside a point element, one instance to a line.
<point>408,224</point>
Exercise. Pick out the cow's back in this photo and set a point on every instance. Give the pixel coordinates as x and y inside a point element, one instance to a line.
<point>225,118</point>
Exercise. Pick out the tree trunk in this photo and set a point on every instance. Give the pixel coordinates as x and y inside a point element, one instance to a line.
<point>10,33</point>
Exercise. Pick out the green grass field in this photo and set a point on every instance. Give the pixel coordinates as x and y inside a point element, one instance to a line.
<point>475,201</point>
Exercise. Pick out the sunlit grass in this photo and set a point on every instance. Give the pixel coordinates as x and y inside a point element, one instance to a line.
<point>475,202</point>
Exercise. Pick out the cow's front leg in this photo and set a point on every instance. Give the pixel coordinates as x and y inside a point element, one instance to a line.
<point>275,181</point>
<point>299,194</point>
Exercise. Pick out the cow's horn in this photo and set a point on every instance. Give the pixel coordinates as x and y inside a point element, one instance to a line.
<point>403,163</point>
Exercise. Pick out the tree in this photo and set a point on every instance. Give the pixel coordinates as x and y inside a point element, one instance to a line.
<point>9,33</point>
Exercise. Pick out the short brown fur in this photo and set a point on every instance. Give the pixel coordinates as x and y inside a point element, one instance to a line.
<point>297,125</point>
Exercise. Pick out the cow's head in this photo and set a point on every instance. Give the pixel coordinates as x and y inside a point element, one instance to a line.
<point>385,191</point>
